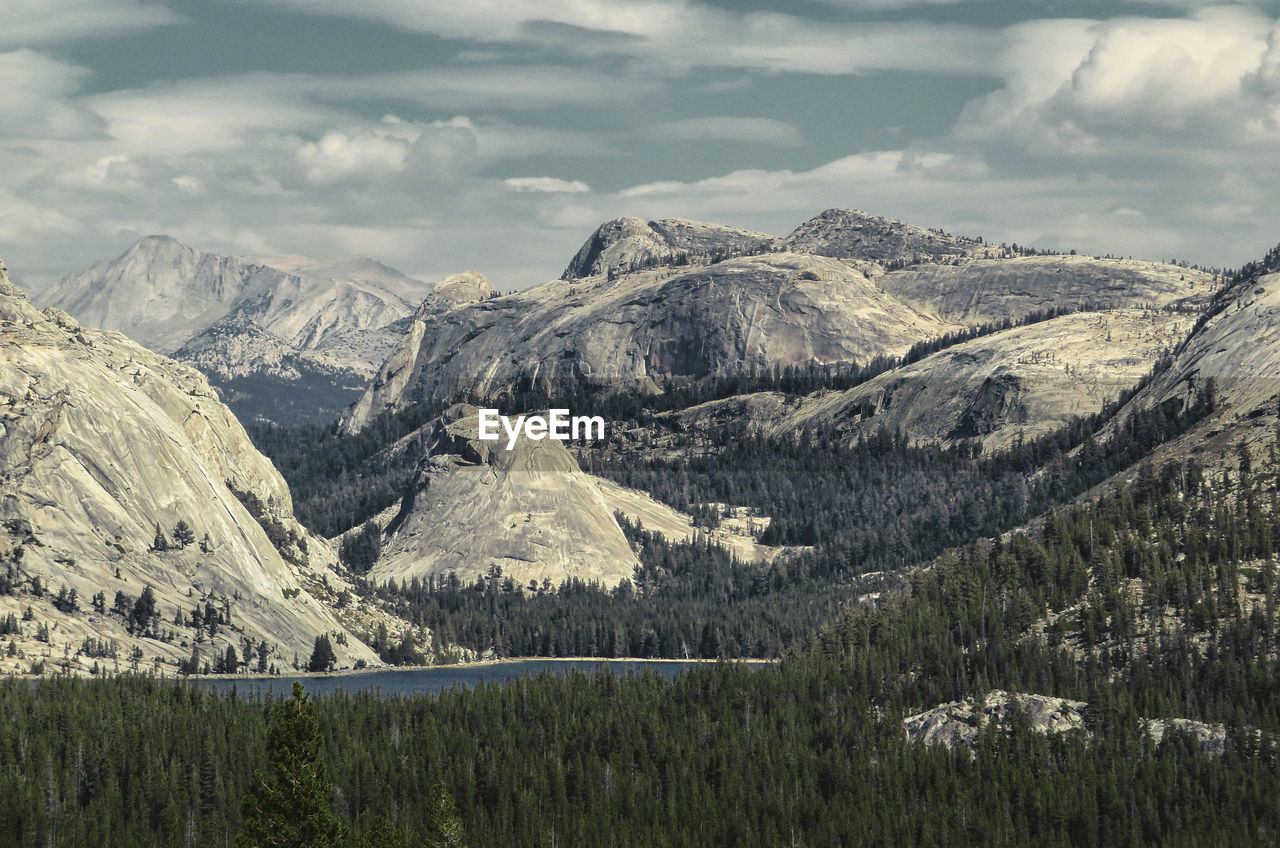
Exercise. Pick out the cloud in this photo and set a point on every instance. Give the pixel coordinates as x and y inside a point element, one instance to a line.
<point>672,36</point>
<point>35,22</point>
<point>756,130</point>
<point>550,185</point>
<point>34,97</point>
<point>1143,136</point>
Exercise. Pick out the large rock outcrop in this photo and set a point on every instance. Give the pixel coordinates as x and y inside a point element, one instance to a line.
<point>648,329</point>
<point>1015,384</point>
<point>474,505</point>
<point>853,234</point>
<point>958,724</point>
<point>102,442</point>
<point>984,291</point>
<point>624,245</point>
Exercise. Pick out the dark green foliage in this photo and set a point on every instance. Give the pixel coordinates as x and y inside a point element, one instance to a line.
<point>161,542</point>
<point>382,833</point>
<point>322,656</point>
<point>444,827</point>
<point>337,481</point>
<point>317,395</point>
<point>359,551</point>
<point>287,804</point>
<point>66,601</point>
<point>183,535</point>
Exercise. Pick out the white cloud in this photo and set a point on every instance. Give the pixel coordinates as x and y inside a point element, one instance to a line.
<point>28,22</point>
<point>757,130</point>
<point>674,35</point>
<point>34,97</point>
<point>549,185</point>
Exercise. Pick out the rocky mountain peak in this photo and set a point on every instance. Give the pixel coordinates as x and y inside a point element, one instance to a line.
<point>105,449</point>
<point>459,290</point>
<point>627,244</point>
<point>474,505</point>
<point>853,234</point>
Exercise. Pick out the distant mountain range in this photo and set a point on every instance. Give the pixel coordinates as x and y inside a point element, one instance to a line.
<point>258,328</point>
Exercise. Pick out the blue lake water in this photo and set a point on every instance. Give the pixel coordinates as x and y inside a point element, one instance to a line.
<point>419,681</point>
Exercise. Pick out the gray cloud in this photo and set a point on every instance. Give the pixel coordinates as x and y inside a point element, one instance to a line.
<point>28,23</point>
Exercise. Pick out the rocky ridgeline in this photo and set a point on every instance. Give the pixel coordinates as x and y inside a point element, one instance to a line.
<point>648,329</point>
<point>852,234</point>
<point>122,475</point>
<point>646,305</point>
<point>960,723</point>
<point>234,318</point>
<point>624,245</point>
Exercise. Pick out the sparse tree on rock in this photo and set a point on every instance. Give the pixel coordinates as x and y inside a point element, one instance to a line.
<point>161,542</point>
<point>183,535</point>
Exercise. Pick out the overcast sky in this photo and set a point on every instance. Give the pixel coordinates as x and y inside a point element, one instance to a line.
<point>442,135</point>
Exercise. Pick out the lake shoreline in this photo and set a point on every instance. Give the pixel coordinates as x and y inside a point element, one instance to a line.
<point>383,669</point>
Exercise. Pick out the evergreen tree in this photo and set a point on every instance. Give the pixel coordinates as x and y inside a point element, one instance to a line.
<point>381,834</point>
<point>183,535</point>
<point>288,805</point>
<point>161,542</point>
<point>444,827</point>
<point>322,655</point>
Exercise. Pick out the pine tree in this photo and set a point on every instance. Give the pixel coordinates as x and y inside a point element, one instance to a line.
<point>322,655</point>
<point>183,535</point>
<point>288,805</point>
<point>161,543</point>
<point>381,834</point>
<point>444,827</point>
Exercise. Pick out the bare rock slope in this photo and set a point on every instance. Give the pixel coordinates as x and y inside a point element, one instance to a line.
<point>959,723</point>
<point>1019,383</point>
<point>983,291</point>
<point>647,329</point>
<point>624,245</point>
<point>101,443</point>
<point>529,511</point>
<point>238,318</point>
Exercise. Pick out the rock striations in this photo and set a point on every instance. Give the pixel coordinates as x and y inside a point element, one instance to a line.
<point>1019,383</point>
<point>102,444</point>
<point>647,329</point>
<point>624,245</point>
<point>529,511</point>
<point>647,305</point>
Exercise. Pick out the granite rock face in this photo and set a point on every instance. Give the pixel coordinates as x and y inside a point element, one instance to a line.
<point>1018,383</point>
<point>983,291</point>
<point>852,234</point>
<point>648,329</point>
<point>234,318</point>
<point>1238,348</point>
<point>958,724</point>
<point>529,511</point>
<point>101,442</point>
<point>624,245</point>
<point>647,305</point>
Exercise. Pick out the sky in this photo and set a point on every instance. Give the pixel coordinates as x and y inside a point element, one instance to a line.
<point>496,135</point>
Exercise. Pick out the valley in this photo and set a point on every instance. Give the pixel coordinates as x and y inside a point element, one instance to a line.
<point>966,495</point>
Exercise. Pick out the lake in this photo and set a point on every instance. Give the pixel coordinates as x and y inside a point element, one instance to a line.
<point>419,681</point>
